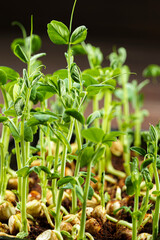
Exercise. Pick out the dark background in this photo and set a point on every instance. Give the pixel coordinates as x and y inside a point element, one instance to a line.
<point>103,18</point>
<point>134,25</point>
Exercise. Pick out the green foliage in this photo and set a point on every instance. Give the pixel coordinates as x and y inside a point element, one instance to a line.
<point>93,134</point>
<point>79,35</point>
<point>58,32</point>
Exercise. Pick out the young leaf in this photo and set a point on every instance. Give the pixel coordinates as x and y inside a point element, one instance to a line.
<point>98,154</point>
<point>130,187</point>
<point>139,150</point>
<point>28,133</point>
<point>86,156</point>
<point>146,162</point>
<point>23,172</point>
<point>79,193</point>
<point>11,74</point>
<point>19,105</point>
<point>3,77</point>
<point>58,32</point>
<point>96,88</point>
<point>88,80</point>
<point>75,73</point>
<point>90,193</point>
<point>79,35</point>
<point>26,79</point>
<point>93,134</point>
<point>14,131</point>
<point>62,138</point>
<point>75,114</point>
<point>153,133</point>
<point>65,180</point>
<point>93,116</point>
<point>3,119</point>
<point>20,54</point>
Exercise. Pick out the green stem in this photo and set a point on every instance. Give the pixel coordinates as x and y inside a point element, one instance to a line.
<point>126,147</point>
<point>106,126</point>
<point>85,197</point>
<point>144,208</point>
<point>54,187</point>
<point>63,165</point>
<point>137,141</point>
<point>24,182</point>
<point>19,164</point>
<point>155,226</point>
<point>96,108</point>
<point>79,142</point>
<point>71,18</point>
<point>3,174</point>
<point>134,217</point>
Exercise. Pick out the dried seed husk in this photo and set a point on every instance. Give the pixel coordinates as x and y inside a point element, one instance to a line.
<point>99,213</point>
<point>112,206</point>
<point>144,236</point>
<point>71,218</point>
<point>14,224</point>
<point>89,211</point>
<point>92,226</point>
<point>10,196</point>
<point>117,148</point>
<point>4,228</point>
<point>92,203</point>
<point>47,235</point>
<point>66,226</point>
<point>34,195</point>
<point>34,208</point>
<point>6,210</point>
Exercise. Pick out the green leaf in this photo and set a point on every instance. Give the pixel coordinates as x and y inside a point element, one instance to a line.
<point>62,138</point>
<point>26,79</point>
<point>78,49</point>
<point>75,73</point>
<point>75,114</point>
<point>41,118</point>
<point>58,32</point>
<point>19,105</point>
<point>3,77</point>
<point>23,172</point>
<point>139,150</point>
<point>152,70</point>
<point>98,154</point>
<point>93,134</point>
<point>90,193</point>
<point>158,163</point>
<point>11,74</point>
<point>20,54</point>
<point>65,180</point>
<point>96,88</point>
<point>14,131</point>
<point>36,79</point>
<point>79,193</point>
<point>130,187</point>
<point>79,35</point>
<point>46,88</point>
<point>88,80</point>
<point>146,162</point>
<point>153,133</point>
<point>61,74</point>
<point>111,137</point>
<point>28,133</point>
<point>93,116</point>
<point>85,156</point>
<point>3,119</point>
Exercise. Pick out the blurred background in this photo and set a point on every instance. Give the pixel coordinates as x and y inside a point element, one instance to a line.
<point>134,25</point>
